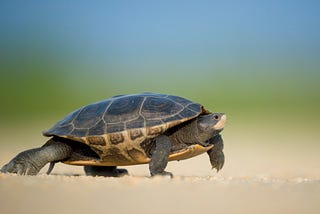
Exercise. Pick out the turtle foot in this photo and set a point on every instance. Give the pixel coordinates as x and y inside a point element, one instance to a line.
<point>216,154</point>
<point>106,171</point>
<point>218,161</point>
<point>24,164</point>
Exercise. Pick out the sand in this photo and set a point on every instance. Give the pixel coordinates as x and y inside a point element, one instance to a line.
<point>256,178</point>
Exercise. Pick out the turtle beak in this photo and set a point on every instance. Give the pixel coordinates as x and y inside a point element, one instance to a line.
<point>222,117</point>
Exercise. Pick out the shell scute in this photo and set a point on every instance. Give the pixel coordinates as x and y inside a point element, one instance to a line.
<point>115,127</point>
<point>123,109</point>
<point>135,133</point>
<point>151,123</point>
<point>154,108</point>
<point>79,132</point>
<point>194,107</point>
<point>115,138</point>
<point>97,140</point>
<point>182,101</point>
<point>176,117</point>
<point>155,131</point>
<point>98,129</point>
<point>90,115</point>
<point>136,123</point>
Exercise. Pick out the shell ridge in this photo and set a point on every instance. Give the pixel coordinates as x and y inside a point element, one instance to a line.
<point>79,111</point>
<point>95,124</point>
<point>133,119</point>
<point>141,105</point>
<point>175,102</point>
<point>105,111</point>
<point>187,106</point>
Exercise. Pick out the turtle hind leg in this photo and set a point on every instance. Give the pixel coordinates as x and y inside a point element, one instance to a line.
<point>25,163</point>
<point>31,161</point>
<point>106,171</point>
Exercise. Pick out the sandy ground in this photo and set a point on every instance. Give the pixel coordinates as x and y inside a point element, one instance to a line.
<point>255,179</point>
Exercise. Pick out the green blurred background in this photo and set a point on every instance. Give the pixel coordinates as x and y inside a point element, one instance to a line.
<point>258,61</point>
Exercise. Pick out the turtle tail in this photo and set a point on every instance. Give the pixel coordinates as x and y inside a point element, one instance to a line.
<point>51,166</point>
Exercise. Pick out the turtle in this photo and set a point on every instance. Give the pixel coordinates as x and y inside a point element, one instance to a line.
<point>146,128</point>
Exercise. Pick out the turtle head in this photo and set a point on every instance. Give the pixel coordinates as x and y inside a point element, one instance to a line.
<point>210,125</point>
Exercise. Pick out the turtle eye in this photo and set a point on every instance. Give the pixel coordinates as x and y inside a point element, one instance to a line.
<point>216,117</point>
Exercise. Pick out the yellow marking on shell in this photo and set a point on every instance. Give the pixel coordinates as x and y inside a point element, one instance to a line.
<point>135,133</point>
<point>84,163</point>
<point>189,152</point>
<point>129,151</point>
<point>116,138</point>
<point>110,162</point>
<point>154,131</point>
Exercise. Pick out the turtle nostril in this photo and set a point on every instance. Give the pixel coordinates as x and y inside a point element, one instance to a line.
<point>216,117</point>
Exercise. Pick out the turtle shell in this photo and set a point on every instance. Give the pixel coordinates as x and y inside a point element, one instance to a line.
<point>123,122</point>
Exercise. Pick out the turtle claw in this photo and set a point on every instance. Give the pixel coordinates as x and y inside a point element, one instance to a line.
<point>163,174</point>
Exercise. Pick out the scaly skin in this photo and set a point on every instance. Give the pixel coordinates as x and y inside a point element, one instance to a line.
<point>216,153</point>
<point>31,161</point>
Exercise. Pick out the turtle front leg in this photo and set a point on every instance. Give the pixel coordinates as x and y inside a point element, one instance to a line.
<point>106,171</point>
<point>159,158</point>
<point>31,161</point>
<point>216,153</point>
